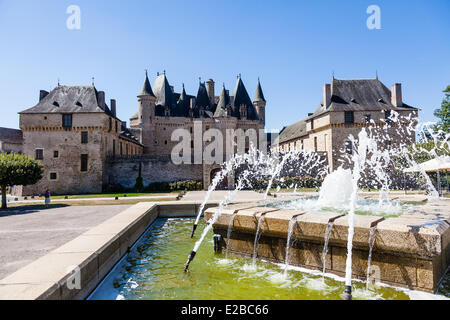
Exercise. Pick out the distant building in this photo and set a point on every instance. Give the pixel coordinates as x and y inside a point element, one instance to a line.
<point>11,140</point>
<point>346,107</point>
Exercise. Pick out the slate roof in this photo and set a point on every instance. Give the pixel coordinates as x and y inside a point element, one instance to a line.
<point>359,95</point>
<point>259,95</point>
<point>348,95</point>
<point>241,97</point>
<point>164,95</point>
<point>202,100</point>
<point>146,88</point>
<point>293,131</point>
<point>70,99</point>
<point>11,135</point>
<point>224,101</point>
<point>127,135</point>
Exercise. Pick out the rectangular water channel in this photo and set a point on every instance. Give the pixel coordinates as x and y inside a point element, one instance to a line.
<point>154,271</point>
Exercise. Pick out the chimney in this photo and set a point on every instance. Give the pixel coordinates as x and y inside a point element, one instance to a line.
<point>326,95</point>
<point>113,107</point>
<point>396,95</point>
<point>42,94</point>
<point>210,90</point>
<point>101,99</point>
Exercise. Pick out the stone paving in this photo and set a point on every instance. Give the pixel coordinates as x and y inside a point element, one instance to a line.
<point>27,234</point>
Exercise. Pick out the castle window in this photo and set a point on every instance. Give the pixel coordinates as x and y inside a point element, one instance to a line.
<point>39,154</point>
<point>56,154</point>
<point>67,121</point>
<point>84,162</point>
<point>312,124</point>
<point>121,149</point>
<point>110,125</point>
<point>315,144</point>
<point>84,137</point>
<point>114,147</point>
<point>165,142</point>
<point>387,116</point>
<point>53,176</point>
<point>190,129</point>
<point>348,147</point>
<point>115,122</point>
<point>349,117</point>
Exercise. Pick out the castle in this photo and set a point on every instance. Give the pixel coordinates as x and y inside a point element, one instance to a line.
<point>85,148</point>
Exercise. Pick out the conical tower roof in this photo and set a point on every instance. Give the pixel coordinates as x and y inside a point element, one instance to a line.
<point>146,88</point>
<point>241,97</point>
<point>224,101</point>
<point>259,95</point>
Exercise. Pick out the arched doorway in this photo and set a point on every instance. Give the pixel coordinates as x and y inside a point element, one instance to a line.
<point>222,185</point>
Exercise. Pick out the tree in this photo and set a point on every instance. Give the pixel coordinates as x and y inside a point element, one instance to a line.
<point>443,113</point>
<point>17,169</point>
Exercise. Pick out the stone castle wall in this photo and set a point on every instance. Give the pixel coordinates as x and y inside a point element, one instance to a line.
<point>124,171</point>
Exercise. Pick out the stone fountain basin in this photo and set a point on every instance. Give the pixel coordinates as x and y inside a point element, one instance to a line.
<point>411,251</point>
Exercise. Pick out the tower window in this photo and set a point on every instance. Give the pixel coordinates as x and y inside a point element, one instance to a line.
<point>349,117</point>
<point>39,154</point>
<point>84,137</point>
<point>84,162</point>
<point>56,154</point>
<point>53,176</point>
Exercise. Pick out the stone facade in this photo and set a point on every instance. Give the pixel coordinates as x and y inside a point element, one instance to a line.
<point>348,106</point>
<point>11,140</point>
<point>72,132</point>
<point>85,148</point>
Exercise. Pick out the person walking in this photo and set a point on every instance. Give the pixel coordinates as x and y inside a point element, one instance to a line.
<point>47,198</point>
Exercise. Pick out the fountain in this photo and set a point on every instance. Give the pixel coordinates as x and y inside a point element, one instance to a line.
<point>325,247</point>
<point>350,220</point>
<point>372,238</point>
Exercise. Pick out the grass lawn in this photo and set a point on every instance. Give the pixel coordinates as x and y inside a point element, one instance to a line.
<point>109,195</point>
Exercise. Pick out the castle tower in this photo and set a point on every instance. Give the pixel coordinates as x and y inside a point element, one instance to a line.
<point>260,104</point>
<point>146,114</point>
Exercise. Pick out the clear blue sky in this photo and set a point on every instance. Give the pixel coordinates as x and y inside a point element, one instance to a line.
<point>292,45</point>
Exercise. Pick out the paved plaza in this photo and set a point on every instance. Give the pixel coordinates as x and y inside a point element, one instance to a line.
<point>28,233</point>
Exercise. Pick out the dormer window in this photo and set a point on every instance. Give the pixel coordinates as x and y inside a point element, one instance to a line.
<point>79,104</point>
<point>56,104</point>
<point>353,100</point>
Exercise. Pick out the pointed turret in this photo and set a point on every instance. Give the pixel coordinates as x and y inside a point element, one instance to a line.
<point>241,98</point>
<point>146,88</point>
<point>259,95</point>
<point>146,114</point>
<point>202,101</point>
<point>260,104</point>
<point>182,109</point>
<point>224,102</point>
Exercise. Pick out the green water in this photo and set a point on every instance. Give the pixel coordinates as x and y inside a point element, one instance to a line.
<point>154,270</point>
